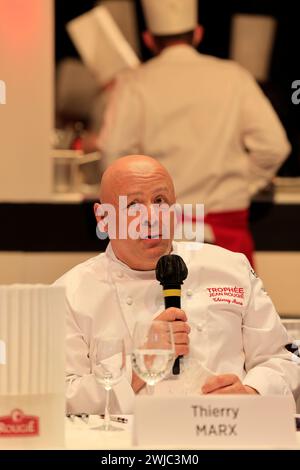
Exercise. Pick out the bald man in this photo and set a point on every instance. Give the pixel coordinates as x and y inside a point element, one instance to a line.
<point>227,324</point>
<point>144,181</point>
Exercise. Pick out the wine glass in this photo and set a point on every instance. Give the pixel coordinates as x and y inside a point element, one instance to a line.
<point>153,351</point>
<point>109,365</point>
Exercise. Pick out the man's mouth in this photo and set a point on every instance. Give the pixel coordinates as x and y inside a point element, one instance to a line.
<point>151,236</point>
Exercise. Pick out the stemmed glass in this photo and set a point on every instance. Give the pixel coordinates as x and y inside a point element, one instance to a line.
<point>153,351</point>
<point>109,365</point>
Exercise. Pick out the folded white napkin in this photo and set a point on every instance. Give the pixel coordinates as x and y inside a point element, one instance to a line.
<point>32,319</point>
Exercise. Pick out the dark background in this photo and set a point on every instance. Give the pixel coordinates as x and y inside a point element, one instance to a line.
<point>216,19</point>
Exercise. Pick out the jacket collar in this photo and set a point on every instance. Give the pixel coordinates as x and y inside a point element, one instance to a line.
<point>119,265</point>
<point>179,51</point>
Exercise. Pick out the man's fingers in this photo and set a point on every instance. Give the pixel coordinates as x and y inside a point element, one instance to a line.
<point>177,314</point>
<point>181,338</point>
<point>181,327</point>
<point>219,381</point>
<point>182,350</point>
<point>177,327</point>
<point>232,389</point>
<point>236,388</point>
<point>172,314</point>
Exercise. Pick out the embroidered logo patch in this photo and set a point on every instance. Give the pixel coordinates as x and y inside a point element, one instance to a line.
<point>228,294</point>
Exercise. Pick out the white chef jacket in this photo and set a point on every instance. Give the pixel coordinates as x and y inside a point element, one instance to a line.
<point>205,119</point>
<point>234,326</point>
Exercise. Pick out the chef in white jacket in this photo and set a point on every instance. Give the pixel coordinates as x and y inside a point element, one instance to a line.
<point>227,322</point>
<point>204,118</point>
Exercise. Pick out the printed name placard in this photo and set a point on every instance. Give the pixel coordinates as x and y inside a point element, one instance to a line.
<point>205,421</point>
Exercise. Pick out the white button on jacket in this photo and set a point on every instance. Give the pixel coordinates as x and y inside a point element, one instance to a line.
<point>234,326</point>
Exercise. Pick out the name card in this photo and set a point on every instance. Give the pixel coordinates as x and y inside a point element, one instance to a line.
<point>204,421</point>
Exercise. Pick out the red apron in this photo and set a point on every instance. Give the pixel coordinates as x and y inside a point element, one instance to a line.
<point>231,231</point>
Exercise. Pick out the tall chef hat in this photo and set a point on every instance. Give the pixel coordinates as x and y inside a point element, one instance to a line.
<point>101,44</point>
<point>166,17</point>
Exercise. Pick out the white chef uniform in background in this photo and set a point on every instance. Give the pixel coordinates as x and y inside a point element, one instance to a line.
<point>234,326</point>
<point>205,119</point>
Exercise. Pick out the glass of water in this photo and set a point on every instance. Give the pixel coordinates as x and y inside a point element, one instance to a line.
<point>109,366</point>
<point>153,351</point>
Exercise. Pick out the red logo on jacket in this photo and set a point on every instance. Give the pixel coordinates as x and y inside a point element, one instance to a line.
<point>17,424</point>
<point>228,294</point>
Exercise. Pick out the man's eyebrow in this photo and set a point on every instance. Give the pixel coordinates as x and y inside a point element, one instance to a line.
<point>133,194</point>
<point>161,189</point>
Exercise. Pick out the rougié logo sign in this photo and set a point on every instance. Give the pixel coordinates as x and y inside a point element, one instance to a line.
<point>17,424</point>
<point>2,92</point>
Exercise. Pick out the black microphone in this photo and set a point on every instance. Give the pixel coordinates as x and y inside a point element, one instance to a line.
<point>171,271</point>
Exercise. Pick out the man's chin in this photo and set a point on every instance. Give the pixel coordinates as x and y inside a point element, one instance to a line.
<point>152,243</point>
<point>154,249</point>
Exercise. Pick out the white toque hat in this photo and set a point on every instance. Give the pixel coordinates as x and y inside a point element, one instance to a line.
<point>164,17</point>
<point>101,44</point>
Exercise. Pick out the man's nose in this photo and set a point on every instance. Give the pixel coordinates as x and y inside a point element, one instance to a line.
<point>150,217</point>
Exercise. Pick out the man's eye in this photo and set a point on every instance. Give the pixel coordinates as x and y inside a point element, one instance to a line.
<point>160,200</point>
<point>132,204</point>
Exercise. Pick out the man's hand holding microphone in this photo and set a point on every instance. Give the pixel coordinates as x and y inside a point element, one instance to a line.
<point>171,271</point>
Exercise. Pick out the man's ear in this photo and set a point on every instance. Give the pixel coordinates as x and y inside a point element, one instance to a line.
<point>198,35</point>
<point>101,218</point>
<point>97,211</point>
<point>149,41</point>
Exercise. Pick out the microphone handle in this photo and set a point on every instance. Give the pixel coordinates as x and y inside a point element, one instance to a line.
<point>174,301</point>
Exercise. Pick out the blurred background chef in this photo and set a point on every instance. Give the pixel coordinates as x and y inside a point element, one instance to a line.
<point>83,88</point>
<point>204,118</point>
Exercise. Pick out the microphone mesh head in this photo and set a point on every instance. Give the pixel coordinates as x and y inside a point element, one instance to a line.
<point>171,270</point>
